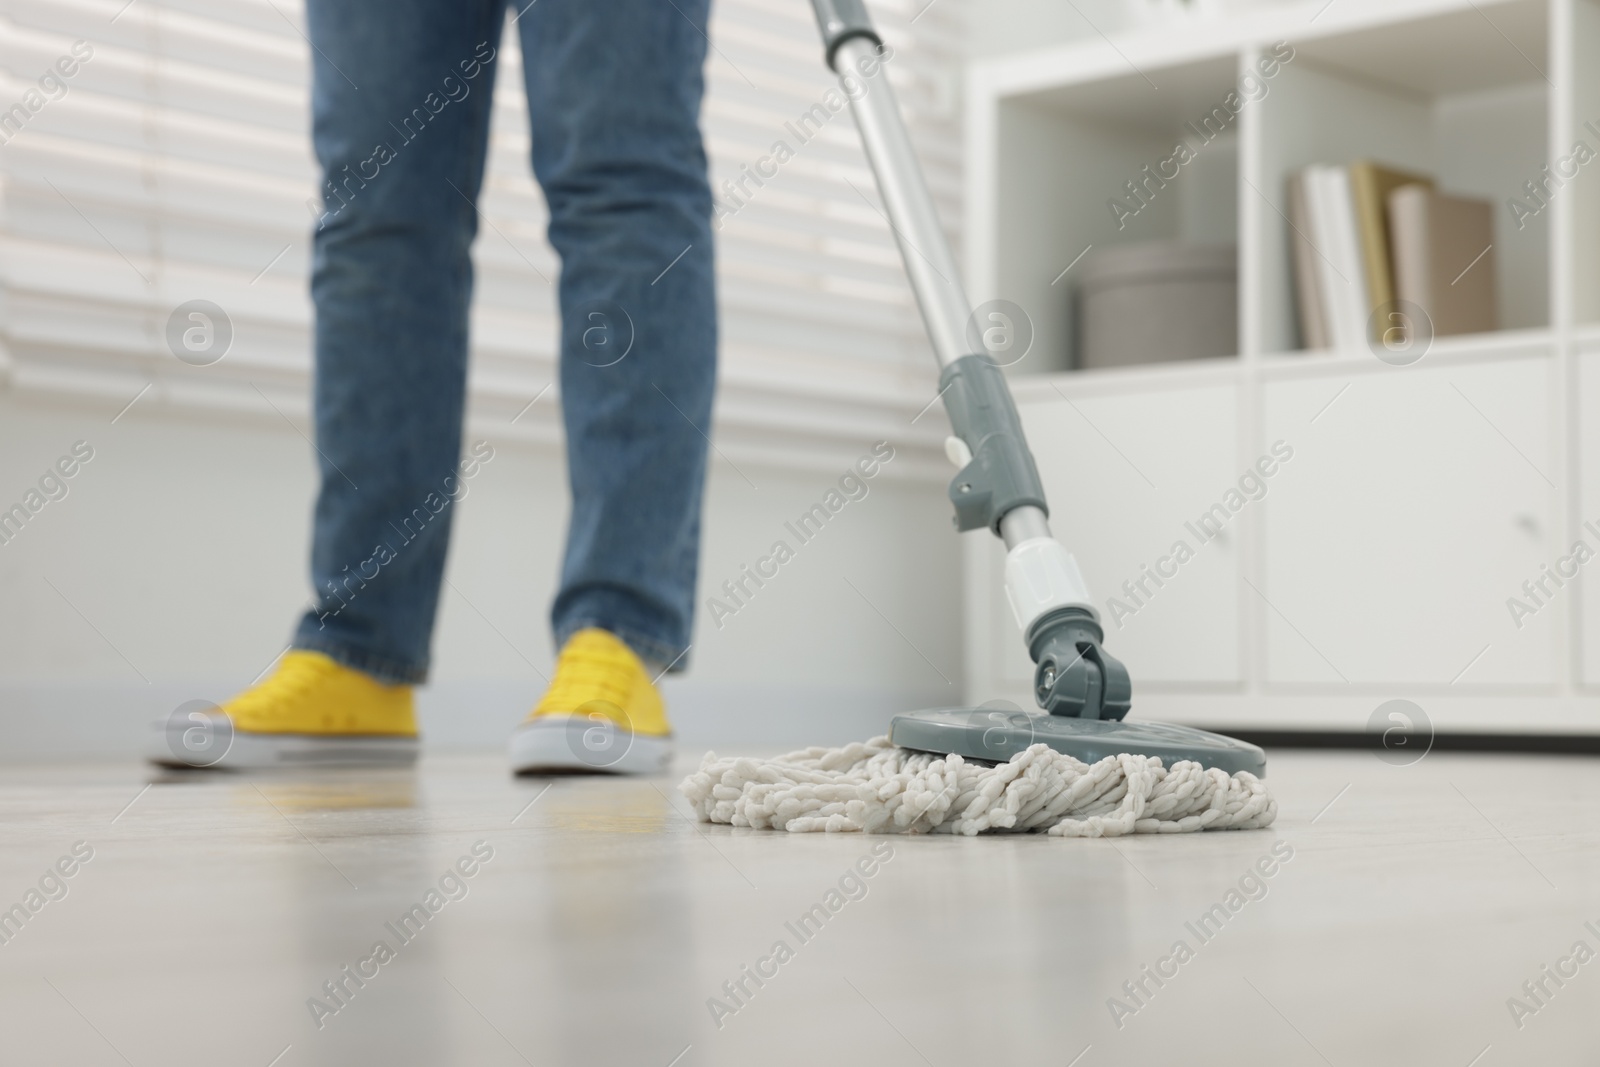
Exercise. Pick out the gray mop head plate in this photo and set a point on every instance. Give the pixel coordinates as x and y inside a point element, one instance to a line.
<point>989,733</point>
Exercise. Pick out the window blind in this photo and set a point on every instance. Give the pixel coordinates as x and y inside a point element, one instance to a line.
<point>173,164</point>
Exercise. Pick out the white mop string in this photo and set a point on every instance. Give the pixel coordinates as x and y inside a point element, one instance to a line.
<point>874,787</point>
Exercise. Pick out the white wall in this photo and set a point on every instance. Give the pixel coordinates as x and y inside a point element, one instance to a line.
<point>182,543</point>
<point>996,27</point>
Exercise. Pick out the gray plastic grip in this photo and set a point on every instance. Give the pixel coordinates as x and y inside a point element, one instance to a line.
<point>1002,475</point>
<point>839,21</point>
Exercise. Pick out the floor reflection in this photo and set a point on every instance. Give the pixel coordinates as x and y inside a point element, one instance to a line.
<point>600,938</point>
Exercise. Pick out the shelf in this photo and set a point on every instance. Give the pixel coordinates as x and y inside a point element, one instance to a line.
<point>1463,91</point>
<point>1479,460</point>
<point>1472,49</point>
<point>1465,348</point>
<point>1458,96</point>
<point>1083,170</point>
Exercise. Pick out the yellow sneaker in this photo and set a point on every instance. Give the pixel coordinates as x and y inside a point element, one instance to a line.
<point>310,710</point>
<point>602,713</point>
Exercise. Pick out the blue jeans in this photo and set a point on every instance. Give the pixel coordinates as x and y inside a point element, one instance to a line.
<point>400,113</point>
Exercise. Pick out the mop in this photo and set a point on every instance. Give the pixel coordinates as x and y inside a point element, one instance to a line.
<point>1075,770</point>
<point>879,787</point>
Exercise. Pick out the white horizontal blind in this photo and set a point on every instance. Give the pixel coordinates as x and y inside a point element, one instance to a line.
<point>174,164</point>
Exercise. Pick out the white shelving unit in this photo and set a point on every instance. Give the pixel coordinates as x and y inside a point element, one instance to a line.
<point>1379,560</point>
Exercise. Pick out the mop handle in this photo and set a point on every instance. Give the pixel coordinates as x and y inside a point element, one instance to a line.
<point>998,485</point>
<point>852,47</point>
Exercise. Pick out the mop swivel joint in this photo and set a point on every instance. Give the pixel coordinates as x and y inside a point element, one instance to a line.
<point>1074,675</point>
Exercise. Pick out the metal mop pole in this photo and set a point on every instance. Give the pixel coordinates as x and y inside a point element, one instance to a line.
<point>998,485</point>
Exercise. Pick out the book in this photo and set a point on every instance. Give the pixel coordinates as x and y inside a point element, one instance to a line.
<point>1370,186</point>
<point>1443,251</point>
<point>1340,272</point>
<point>1308,300</point>
<point>1323,244</point>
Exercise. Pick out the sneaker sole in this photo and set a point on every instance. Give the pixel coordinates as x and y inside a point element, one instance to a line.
<point>572,744</point>
<point>252,751</point>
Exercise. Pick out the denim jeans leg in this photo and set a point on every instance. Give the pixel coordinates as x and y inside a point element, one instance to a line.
<point>614,92</point>
<point>400,123</point>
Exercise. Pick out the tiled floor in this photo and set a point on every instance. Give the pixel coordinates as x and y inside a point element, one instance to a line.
<point>1414,903</point>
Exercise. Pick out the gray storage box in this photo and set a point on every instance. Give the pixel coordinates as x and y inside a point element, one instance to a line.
<point>1157,301</point>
